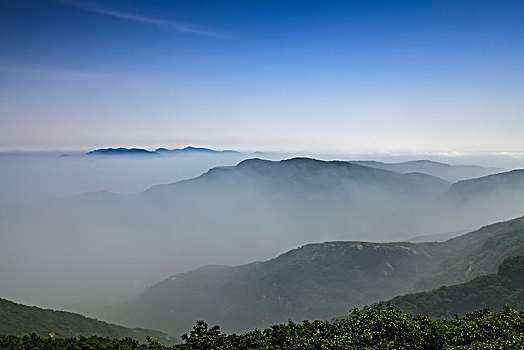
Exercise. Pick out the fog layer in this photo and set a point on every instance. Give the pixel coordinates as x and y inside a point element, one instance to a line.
<point>78,253</point>
<point>34,176</point>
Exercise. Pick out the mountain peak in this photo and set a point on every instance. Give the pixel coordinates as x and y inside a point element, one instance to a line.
<point>193,150</point>
<point>159,151</point>
<point>121,151</point>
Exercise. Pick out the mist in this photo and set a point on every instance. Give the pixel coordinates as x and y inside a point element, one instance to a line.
<point>31,176</point>
<point>85,251</point>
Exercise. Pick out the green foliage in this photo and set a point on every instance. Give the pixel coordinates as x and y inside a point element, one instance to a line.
<point>513,269</point>
<point>380,327</point>
<point>492,291</point>
<point>17,319</point>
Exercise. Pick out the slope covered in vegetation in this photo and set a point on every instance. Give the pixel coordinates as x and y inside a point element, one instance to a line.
<point>19,320</point>
<point>494,291</point>
<point>318,281</point>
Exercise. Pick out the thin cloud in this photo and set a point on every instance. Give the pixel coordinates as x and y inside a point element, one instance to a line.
<point>79,76</point>
<point>74,75</point>
<point>172,25</point>
<point>44,72</point>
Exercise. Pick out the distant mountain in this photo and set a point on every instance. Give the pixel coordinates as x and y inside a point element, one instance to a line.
<point>318,281</point>
<point>436,237</point>
<point>496,185</point>
<point>493,291</point>
<point>229,215</point>
<point>17,319</point>
<point>445,171</point>
<point>193,150</point>
<point>311,175</point>
<point>488,197</point>
<point>305,198</point>
<point>159,151</point>
<point>122,151</point>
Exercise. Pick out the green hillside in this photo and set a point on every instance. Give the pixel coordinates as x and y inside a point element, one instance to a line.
<point>17,319</point>
<point>318,281</point>
<point>476,253</point>
<point>493,291</point>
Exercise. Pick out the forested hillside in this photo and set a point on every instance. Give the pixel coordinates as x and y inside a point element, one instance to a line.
<point>19,320</point>
<point>318,281</point>
<point>493,291</point>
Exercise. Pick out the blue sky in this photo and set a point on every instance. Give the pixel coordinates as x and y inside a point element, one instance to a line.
<point>325,76</point>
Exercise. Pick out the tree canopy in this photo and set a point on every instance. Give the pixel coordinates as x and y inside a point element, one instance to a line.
<point>382,326</point>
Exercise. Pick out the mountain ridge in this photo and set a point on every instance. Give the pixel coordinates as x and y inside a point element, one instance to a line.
<point>191,149</point>
<point>319,280</point>
<point>229,215</point>
<point>445,171</point>
<point>120,151</point>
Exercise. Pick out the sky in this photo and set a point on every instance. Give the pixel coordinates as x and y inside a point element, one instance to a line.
<point>424,77</point>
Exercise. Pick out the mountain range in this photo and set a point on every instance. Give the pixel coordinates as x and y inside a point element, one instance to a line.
<point>229,215</point>
<point>319,281</point>
<point>189,150</point>
<point>121,151</point>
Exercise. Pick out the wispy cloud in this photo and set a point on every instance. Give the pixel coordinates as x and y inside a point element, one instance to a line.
<point>74,76</point>
<point>44,72</point>
<point>50,74</point>
<point>170,25</point>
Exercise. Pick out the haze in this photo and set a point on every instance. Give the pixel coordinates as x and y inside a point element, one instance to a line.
<point>81,252</point>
